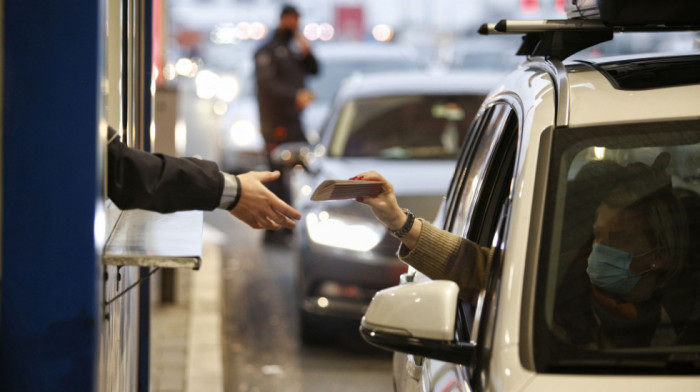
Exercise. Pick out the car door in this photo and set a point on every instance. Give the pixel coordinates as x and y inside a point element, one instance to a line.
<point>476,208</point>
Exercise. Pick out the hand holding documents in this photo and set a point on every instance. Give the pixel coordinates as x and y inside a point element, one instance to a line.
<point>345,189</point>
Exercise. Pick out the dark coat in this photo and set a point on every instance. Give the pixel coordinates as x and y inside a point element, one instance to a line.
<point>157,182</point>
<point>279,74</point>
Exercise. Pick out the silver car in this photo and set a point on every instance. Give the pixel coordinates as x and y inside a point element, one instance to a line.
<point>409,126</point>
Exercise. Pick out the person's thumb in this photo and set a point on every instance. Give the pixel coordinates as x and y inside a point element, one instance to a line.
<point>268,176</point>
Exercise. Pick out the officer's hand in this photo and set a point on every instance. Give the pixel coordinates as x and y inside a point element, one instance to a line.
<point>259,208</point>
<point>303,98</point>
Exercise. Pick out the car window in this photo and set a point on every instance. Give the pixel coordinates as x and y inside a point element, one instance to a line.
<point>404,127</point>
<point>475,167</point>
<point>618,281</point>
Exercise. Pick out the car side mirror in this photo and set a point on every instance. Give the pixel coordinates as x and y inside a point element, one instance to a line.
<point>418,319</point>
<point>296,153</point>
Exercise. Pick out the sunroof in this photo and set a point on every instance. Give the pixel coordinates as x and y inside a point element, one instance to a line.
<point>642,74</point>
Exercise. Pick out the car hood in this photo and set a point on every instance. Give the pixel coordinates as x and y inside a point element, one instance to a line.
<point>420,185</point>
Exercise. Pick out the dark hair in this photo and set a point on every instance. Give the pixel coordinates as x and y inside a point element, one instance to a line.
<point>289,9</point>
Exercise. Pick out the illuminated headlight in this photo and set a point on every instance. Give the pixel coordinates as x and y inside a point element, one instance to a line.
<point>340,232</point>
<point>243,133</point>
<point>206,84</point>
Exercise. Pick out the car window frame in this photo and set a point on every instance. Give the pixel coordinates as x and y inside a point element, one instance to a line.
<point>465,177</point>
<point>495,135</point>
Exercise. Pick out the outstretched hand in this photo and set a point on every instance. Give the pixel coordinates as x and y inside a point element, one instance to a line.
<point>384,205</point>
<point>387,209</point>
<point>258,207</point>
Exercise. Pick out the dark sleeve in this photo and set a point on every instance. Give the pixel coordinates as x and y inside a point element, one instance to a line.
<point>157,182</point>
<point>266,77</point>
<point>310,64</point>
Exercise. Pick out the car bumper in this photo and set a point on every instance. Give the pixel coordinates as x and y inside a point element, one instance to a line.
<point>340,283</point>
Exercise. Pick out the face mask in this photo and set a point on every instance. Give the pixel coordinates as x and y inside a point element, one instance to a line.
<point>287,34</point>
<point>609,269</point>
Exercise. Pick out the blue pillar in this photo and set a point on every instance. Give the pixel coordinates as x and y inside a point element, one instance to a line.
<point>50,310</point>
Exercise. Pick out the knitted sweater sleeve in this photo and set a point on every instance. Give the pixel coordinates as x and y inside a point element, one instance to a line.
<point>442,255</point>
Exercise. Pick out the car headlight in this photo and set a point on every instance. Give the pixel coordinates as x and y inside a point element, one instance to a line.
<point>343,232</point>
<point>243,133</point>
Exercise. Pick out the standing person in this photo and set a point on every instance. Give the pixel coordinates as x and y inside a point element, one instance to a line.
<point>281,66</point>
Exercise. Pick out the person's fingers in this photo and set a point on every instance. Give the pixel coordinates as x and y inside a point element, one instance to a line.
<point>271,224</point>
<point>267,176</point>
<point>285,221</point>
<point>285,209</point>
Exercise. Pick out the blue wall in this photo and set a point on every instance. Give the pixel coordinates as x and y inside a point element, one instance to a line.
<point>50,309</point>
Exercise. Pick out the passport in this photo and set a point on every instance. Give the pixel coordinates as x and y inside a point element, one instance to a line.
<point>345,189</point>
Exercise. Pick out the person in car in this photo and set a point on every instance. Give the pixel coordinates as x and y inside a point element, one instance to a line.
<point>638,248</point>
<point>615,292</point>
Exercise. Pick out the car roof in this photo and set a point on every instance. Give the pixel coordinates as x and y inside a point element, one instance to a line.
<point>588,95</point>
<point>649,71</point>
<point>418,82</point>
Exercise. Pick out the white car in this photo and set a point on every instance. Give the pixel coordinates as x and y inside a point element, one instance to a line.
<point>533,183</point>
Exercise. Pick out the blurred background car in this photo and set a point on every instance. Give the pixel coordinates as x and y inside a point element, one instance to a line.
<point>340,60</point>
<point>407,125</point>
<point>241,143</point>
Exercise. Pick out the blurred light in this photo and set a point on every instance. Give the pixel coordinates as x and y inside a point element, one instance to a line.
<point>186,67</point>
<point>599,152</point>
<point>180,137</point>
<point>154,77</point>
<point>207,83</point>
<point>382,33</point>
<point>334,289</point>
<point>169,72</point>
<point>152,132</point>
<point>223,34</point>
<point>306,190</point>
<point>228,88</point>
<point>243,133</point>
<point>258,31</point>
<point>559,5</point>
<point>322,302</point>
<point>220,108</point>
<point>242,30</point>
<point>327,32</point>
<point>338,233</point>
<point>99,226</point>
<point>312,31</point>
<point>529,6</point>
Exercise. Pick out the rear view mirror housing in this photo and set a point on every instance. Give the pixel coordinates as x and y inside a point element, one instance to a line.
<point>418,319</point>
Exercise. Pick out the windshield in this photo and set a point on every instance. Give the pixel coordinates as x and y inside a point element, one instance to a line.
<point>404,127</point>
<point>619,274</point>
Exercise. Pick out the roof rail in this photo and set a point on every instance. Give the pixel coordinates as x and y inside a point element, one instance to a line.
<point>559,39</point>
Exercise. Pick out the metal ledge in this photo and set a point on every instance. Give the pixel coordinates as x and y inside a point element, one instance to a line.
<point>149,239</point>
